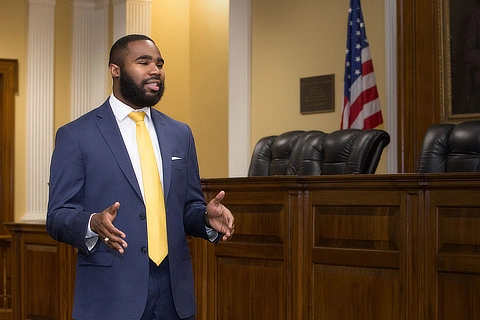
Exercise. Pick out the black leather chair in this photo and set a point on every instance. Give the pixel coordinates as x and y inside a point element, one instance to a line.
<point>451,148</point>
<point>301,153</point>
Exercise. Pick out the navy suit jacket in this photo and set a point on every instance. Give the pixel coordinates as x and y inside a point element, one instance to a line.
<point>90,170</point>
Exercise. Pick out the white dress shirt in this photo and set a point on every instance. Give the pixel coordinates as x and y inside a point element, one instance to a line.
<point>128,130</point>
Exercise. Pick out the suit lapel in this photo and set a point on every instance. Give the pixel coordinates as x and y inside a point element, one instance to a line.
<point>164,141</point>
<point>107,125</point>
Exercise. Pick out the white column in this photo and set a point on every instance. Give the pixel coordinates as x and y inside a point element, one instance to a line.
<point>239,88</point>
<point>40,74</point>
<point>131,16</point>
<point>89,55</point>
<point>101,80</point>
<point>391,83</point>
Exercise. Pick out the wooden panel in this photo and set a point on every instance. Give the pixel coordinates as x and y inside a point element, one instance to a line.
<point>198,253</point>
<point>256,286</point>
<point>252,273</point>
<point>419,77</point>
<point>457,229</point>
<point>456,215</point>
<point>8,89</point>
<point>6,275</point>
<point>356,238</point>
<point>454,252</point>
<point>41,275</point>
<point>355,293</point>
<point>356,221</point>
<point>358,235</point>
<point>458,296</point>
<point>413,261</point>
<point>260,225</point>
<point>255,258</point>
<point>367,227</point>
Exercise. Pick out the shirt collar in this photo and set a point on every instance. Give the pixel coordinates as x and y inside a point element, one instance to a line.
<point>121,110</point>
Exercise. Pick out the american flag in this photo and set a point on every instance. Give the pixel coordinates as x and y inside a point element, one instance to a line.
<point>361,106</point>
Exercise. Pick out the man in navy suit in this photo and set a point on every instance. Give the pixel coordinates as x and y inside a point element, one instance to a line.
<point>96,203</point>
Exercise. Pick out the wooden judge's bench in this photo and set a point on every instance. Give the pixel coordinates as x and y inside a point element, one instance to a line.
<point>402,246</point>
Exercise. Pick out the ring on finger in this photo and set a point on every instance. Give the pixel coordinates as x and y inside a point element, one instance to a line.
<point>106,239</point>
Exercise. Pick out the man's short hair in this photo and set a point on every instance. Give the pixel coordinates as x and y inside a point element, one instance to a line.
<point>120,48</point>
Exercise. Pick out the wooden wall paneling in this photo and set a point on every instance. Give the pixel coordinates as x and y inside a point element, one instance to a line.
<point>356,252</point>
<point>43,274</point>
<point>300,283</point>
<point>427,80</point>
<point>413,206</point>
<point>17,272</point>
<point>406,82</point>
<point>253,271</point>
<point>6,276</point>
<point>454,251</point>
<point>41,268</point>
<point>419,76</point>
<point>397,246</point>
<point>198,253</point>
<point>67,256</point>
<point>458,296</point>
<point>8,89</point>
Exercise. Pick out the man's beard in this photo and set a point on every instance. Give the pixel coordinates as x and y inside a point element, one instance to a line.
<point>136,94</point>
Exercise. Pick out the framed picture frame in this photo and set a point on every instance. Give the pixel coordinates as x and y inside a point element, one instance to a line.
<point>459,23</point>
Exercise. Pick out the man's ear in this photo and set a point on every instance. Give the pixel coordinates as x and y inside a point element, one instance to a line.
<point>114,70</point>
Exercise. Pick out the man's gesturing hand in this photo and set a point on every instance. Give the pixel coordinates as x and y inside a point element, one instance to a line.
<point>102,224</point>
<point>219,217</point>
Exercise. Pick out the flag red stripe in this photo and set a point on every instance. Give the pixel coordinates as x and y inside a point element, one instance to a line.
<point>356,107</point>
<point>367,67</point>
<point>373,121</point>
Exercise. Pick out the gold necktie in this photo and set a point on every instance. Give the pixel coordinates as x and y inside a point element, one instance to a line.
<point>153,193</point>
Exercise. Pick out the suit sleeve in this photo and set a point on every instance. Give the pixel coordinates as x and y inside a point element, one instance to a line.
<point>194,202</point>
<point>66,220</point>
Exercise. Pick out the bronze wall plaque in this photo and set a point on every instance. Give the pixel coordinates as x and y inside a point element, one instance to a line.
<point>317,94</point>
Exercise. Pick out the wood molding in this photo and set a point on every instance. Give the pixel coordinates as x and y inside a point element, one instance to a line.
<point>8,89</point>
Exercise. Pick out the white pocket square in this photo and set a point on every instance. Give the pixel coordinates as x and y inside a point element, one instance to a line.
<point>176,158</point>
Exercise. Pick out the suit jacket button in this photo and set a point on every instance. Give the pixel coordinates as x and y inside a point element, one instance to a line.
<point>144,250</point>
<point>142,216</point>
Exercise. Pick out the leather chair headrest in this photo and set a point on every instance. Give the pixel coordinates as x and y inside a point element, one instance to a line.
<point>348,151</point>
<point>451,148</point>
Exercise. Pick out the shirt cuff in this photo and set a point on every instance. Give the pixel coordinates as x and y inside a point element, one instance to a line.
<point>91,237</point>
<point>211,233</point>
